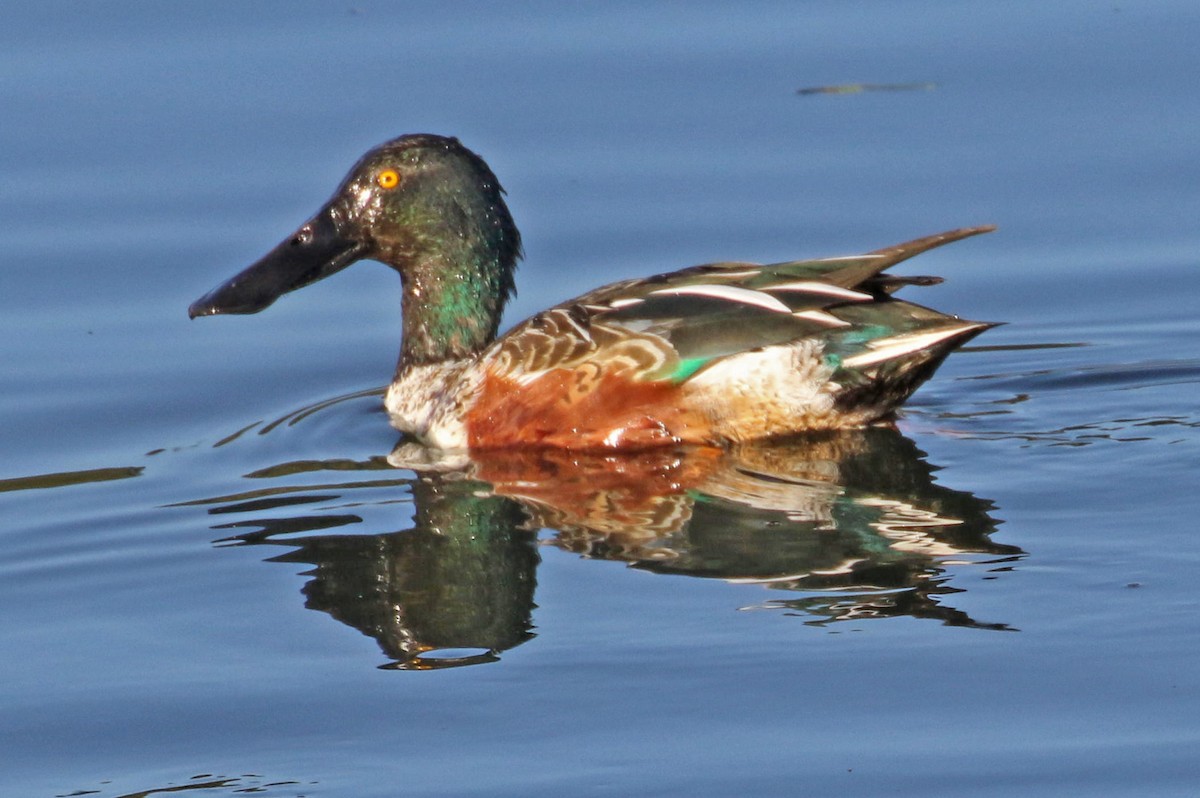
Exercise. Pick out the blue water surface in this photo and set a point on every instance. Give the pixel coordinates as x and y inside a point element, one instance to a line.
<point>213,579</point>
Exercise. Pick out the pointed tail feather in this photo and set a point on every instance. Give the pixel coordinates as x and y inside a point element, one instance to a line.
<point>894,254</point>
<point>897,347</point>
<point>864,271</point>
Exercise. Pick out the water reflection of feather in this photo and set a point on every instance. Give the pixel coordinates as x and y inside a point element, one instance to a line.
<point>851,525</point>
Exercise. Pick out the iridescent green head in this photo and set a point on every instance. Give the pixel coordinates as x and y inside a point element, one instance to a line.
<point>429,208</point>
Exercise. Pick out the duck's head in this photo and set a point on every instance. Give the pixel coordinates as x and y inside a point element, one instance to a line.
<point>426,206</point>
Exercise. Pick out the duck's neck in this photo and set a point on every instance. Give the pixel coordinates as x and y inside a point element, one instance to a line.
<point>453,301</point>
<point>455,245</point>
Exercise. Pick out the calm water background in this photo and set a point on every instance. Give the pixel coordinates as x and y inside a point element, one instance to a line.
<point>148,151</point>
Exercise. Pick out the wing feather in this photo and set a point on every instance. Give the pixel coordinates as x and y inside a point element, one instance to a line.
<point>672,326</point>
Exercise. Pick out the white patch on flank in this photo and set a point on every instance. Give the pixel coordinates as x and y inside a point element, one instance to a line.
<point>731,293</point>
<point>770,391</point>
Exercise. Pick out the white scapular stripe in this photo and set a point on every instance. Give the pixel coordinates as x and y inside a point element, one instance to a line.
<point>731,293</point>
<point>868,256</point>
<point>900,345</point>
<point>743,273</point>
<point>584,334</point>
<point>824,289</point>
<point>821,317</point>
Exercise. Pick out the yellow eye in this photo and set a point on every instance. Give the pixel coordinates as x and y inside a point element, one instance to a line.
<point>388,178</point>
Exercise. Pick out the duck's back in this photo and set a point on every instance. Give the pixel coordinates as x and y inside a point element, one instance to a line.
<point>715,354</point>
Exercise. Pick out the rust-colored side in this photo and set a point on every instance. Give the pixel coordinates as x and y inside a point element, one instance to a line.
<point>582,409</point>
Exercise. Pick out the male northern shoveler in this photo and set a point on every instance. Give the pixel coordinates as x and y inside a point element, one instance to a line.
<point>714,354</point>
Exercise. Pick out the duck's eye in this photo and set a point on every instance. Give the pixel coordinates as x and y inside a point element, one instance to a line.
<point>388,178</point>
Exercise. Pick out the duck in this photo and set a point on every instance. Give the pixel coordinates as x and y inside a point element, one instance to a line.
<point>717,354</point>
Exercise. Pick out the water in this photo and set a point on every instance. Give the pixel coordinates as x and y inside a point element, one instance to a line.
<point>217,576</point>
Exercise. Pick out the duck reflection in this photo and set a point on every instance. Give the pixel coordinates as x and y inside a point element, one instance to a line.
<point>845,526</point>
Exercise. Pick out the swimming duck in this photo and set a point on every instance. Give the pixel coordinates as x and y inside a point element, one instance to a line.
<point>715,354</point>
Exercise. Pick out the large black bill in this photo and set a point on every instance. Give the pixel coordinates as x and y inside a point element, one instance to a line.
<point>316,250</point>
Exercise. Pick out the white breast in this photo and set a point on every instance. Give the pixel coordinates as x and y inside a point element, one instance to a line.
<point>430,402</point>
